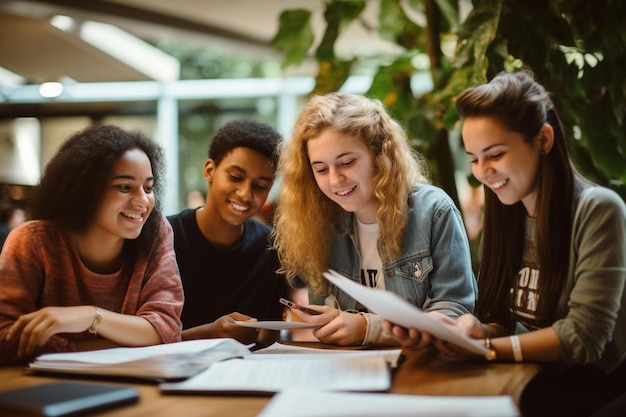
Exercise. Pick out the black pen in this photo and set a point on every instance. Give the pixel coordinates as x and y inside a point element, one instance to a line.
<point>296,306</point>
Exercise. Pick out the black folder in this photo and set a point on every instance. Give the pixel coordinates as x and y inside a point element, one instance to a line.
<point>58,399</point>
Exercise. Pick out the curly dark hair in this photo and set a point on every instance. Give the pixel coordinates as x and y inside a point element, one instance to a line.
<point>247,133</point>
<point>74,181</point>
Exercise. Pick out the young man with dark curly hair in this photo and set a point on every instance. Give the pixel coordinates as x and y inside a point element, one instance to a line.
<point>227,270</point>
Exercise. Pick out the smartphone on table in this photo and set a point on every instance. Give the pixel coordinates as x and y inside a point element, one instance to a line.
<point>297,306</point>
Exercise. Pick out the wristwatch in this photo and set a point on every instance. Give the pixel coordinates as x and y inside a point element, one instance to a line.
<point>491,353</point>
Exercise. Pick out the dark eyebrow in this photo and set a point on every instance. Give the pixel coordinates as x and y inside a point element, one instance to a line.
<point>243,171</point>
<point>129,177</point>
<point>487,149</point>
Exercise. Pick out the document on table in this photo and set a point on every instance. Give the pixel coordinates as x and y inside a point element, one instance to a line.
<point>160,362</point>
<point>277,324</point>
<point>280,351</point>
<point>307,403</point>
<point>393,308</point>
<point>262,377</point>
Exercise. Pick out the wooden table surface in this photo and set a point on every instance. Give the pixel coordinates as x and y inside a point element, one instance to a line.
<point>422,372</point>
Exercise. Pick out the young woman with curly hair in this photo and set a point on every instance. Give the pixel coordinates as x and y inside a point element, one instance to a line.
<point>96,266</point>
<point>355,198</point>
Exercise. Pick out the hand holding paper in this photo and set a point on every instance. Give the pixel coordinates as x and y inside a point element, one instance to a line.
<point>393,308</point>
<point>415,338</point>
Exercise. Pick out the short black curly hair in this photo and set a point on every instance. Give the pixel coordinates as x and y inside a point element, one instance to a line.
<point>74,181</point>
<point>247,133</point>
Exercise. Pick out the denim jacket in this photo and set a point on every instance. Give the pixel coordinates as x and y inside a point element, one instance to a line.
<point>433,271</point>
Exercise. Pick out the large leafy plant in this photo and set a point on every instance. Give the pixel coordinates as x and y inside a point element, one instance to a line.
<point>576,48</point>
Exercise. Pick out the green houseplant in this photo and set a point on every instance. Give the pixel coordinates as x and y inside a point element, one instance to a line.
<point>576,48</point>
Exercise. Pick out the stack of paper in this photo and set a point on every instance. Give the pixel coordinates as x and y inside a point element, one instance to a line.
<point>307,403</point>
<point>280,366</point>
<point>251,376</point>
<point>161,362</point>
<point>225,365</point>
<point>280,351</point>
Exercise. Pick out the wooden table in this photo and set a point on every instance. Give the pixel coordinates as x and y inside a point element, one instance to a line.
<point>422,372</point>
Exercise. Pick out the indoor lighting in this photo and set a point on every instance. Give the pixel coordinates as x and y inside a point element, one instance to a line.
<point>51,89</point>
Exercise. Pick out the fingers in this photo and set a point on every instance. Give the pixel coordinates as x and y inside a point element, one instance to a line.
<point>326,332</point>
<point>34,331</point>
<point>420,340</point>
<point>387,326</point>
<point>442,318</point>
<point>236,316</point>
<point>409,338</point>
<point>15,329</point>
<point>402,335</point>
<point>345,329</point>
<point>328,315</point>
<point>471,326</point>
<point>36,328</point>
<point>242,334</point>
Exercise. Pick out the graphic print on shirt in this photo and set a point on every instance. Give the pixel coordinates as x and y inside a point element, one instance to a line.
<point>524,296</point>
<point>366,237</point>
<point>369,277</point>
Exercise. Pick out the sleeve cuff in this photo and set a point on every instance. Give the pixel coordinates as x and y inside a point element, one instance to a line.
<point>375,334</point>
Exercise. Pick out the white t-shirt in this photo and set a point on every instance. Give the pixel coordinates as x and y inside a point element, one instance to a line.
<point>371,266</point>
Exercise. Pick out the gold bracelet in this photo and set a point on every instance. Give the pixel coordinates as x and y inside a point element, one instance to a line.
<point>93,329</point>
<point>491,352</point>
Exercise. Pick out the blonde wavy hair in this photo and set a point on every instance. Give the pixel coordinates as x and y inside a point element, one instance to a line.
<point>304,218</point>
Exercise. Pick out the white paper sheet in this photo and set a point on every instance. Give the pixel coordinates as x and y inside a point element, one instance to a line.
<point>393,308</point>
<point>301,403</point>
<point>276,325</point>
<point>267,377</point>
<point>163,361</point>
<point>280,351</point>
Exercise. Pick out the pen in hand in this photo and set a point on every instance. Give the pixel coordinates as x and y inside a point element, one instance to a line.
<point>297,306</point>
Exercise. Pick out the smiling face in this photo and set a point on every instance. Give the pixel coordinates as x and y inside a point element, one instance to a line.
<point>239,186</point>
<point>343,169</point>
<point>503,161</point>
<point>129,198</point>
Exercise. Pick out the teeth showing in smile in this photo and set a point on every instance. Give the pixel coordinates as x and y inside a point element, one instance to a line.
<point>345,192</point>
<point>498,184</point>
<point>238,207</point>
<point>135,216</point>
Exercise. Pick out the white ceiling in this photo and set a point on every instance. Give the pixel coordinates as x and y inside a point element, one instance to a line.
<point>37,51</point>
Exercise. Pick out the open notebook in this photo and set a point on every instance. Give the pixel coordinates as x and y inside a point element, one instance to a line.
<point>266,377</point>
<point>159,362</point>
<point>215,366</point>
<point>279,367</point>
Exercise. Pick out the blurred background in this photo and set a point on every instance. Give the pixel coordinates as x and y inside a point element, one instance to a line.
<point>178,70</point>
